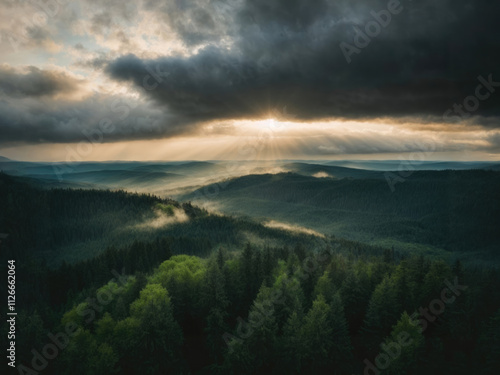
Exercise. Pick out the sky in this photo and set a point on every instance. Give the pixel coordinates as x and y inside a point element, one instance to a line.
<point>249,79</point>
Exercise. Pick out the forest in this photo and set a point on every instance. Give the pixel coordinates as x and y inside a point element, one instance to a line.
<point>214,294</point>
<point>449,211</point>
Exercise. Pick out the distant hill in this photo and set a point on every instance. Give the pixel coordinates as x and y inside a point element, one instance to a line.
<point>72,225</point>
<point>394,165</point>
<point>452,210</point>
<point>322,171</point>
<point>154,177</point>
<point>187,169</point>
<point>117,178</point>
<point>3,158</point>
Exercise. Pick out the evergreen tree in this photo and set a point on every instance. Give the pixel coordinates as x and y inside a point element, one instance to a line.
<point>403,347</point>
<point>341,351</point>
<point>318,336</point>
<point>489,347</point>
<point>382,313</point>
<point>214,301</point>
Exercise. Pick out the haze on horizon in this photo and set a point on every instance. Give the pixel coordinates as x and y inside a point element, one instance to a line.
<point>248,80</point>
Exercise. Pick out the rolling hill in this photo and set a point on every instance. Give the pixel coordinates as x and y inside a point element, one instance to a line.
<point>458,211</point>
<point>324,171</point>
<point>76,224</point>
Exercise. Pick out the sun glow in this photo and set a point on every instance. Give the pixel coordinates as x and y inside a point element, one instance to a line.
<point>273,138</point>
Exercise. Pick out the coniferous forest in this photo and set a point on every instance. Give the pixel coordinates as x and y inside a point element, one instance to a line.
<point>214,294</point>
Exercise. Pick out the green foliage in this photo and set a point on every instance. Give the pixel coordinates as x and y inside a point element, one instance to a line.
<point>317,336</point>
<point>159,334</point>
<point>404,346</point>
<point>256,352</point>
<point>85,356</point>
<point>436,209</point>
<point>168,209</point>
<point>382,312</point>
<point>276,307</point>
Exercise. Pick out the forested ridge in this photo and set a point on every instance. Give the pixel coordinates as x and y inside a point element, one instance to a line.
<point>199,297</point>
<point>71,225</point>
<point>458,211</point>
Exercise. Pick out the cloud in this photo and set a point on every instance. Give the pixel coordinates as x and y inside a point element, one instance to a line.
<point>180,64</point>
<point>162,220</point>
<point>58,121</point>
<point>292,228</point>
<point>493,143</point>
<point>286,53</point>
<point>322,175</point>
<point>34,82</point>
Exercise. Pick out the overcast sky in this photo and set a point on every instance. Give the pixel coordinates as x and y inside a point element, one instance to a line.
<point>219,79</point>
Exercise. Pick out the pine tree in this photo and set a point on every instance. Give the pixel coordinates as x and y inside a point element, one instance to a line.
<point>352,296</point>
<point>383,311</point>
<point>341,351</point>
<point>403,347</point>
<point>317,336</point>
<point>254,351</point>
<point>214,300</point>
<point>292,344</point>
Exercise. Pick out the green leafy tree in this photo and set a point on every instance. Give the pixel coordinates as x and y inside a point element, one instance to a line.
<point>160,334</point>
<point>86,356</point>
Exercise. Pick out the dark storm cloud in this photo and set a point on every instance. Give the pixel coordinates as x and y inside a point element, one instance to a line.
<point>286,53</point>
<point>99,118</point>
<point>35,82</point>
<point>196,22</point>
<point>257,58</point>
<point>34,108</point>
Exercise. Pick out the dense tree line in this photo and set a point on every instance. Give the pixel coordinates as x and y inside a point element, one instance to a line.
<point>273,310</point>
<point>199,298</point>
